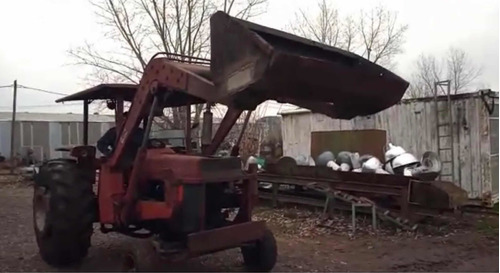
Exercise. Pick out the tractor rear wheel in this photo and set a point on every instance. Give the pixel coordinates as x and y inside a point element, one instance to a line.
<point>261,256</point>
<point>63,212</point>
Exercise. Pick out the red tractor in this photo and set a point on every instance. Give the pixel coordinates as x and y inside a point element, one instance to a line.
<point>178,196</point>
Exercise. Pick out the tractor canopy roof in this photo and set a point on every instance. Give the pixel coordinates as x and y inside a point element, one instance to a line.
<point>115,91</point>
<point>104,92</point>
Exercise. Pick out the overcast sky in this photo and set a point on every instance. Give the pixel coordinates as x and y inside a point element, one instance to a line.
<point>36,34</point>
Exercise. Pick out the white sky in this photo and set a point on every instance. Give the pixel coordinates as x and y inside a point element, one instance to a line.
<point>36,34</point>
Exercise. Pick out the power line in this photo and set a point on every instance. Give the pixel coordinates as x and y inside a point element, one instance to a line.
<point>50,105</point>
<point>34,89</point>
<point>43,105</point>
<point>42,90</point>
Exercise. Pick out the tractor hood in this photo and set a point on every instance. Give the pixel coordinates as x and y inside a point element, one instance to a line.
<point>251,63</point>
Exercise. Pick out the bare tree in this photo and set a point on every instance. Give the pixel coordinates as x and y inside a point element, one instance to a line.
<point>381,35</point>
<point>455,66</point>
<point>349,38</point>
<point>461,71</point>
<point>428,71</point>
<point>252,139</point>
<point>324,27</point>
<point>376,35</point>
<point>136,29</point>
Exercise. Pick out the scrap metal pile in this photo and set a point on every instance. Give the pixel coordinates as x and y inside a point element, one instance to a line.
<point>402,184</point>
<point>397,161</point>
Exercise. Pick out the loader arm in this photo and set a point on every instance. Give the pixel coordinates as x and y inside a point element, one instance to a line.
<point>161,76</point>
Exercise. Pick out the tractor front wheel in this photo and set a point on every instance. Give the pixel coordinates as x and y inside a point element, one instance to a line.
<point>141,257</point>
<point>261,256</point>
<point>63,212</point>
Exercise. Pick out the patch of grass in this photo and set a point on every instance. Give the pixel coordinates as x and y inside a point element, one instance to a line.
<point>495,207</point>
<point>487,226</point>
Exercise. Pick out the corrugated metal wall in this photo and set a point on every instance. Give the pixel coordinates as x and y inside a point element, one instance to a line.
<point>412,125</point>
<point>44,137</point>
<point>5,138</point>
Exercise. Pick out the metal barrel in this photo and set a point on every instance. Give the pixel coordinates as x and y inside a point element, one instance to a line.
<point>251,63</point>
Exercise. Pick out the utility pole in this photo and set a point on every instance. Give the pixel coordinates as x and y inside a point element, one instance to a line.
<point>12,130</point>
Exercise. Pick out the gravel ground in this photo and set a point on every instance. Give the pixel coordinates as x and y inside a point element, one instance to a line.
<point>468,244</point>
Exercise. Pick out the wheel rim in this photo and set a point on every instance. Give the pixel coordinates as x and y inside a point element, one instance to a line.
<point>41,208</point>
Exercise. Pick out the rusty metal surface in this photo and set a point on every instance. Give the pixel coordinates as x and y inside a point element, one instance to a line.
<point>348,186</point>
<point>252,63</point>
<point>225,237</point>
<point>192,168</point>
<point>200,70</point>
<point>370,142</point>
<point>319,172</point>
<point>428,194</point>
<point>437,194</point>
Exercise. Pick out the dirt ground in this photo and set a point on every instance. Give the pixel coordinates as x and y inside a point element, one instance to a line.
<point>468,244</point>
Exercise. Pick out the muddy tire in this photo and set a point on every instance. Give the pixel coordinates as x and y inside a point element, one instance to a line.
<point>261,256</point>
<point>63,212</point>
<point>141,257</point>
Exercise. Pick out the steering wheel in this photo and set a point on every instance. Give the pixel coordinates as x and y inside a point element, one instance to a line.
<point>155,143</point>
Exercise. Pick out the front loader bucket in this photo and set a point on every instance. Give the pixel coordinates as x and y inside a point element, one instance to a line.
<point>252,63</point>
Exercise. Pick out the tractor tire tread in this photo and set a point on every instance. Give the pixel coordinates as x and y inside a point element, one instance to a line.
<point>71,213</point>
<point>262,256</point>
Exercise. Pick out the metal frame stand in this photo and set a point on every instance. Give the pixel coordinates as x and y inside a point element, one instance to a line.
<point>330,206</point>
<point>356,202</point>
<point>374,215</point>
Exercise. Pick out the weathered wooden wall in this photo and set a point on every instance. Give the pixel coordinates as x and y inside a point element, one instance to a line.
<point>412,124</point>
